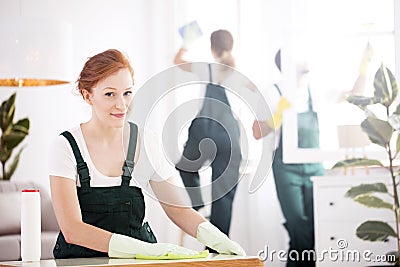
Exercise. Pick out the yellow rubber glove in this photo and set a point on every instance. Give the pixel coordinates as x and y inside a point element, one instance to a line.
<point>212,237</point>
<point>366,59</point>
<point>276,121</point>
<point>122,246</point>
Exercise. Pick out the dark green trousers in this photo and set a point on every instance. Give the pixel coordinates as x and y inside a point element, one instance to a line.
<point>295,193</point>
<point>225,168</point>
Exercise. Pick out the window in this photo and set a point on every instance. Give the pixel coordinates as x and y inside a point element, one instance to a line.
<point>332,35</point>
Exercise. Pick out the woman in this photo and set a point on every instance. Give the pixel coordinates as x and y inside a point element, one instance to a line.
<point>215,122</point>
<point>99,207</point>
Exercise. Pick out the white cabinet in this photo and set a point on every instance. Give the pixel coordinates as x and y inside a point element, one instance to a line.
<point>337,217</point>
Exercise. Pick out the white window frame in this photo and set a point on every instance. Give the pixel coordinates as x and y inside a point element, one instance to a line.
<point>291,152</point>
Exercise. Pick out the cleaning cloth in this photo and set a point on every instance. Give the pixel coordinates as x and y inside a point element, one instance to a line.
<point>172,256</point>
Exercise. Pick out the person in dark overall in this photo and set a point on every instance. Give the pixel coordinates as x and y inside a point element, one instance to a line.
<point>292,181</point>
<point>216,123</point>
<point>96,187</point>
<point>293,185</point>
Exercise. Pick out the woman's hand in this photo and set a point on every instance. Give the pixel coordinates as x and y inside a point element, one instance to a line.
<point>212,237</point>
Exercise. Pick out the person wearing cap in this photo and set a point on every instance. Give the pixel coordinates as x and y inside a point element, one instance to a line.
<point>293,185</point>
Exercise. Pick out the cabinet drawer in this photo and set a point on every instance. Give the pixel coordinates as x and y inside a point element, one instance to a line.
<point>330,204</point>
<point>341,237</point>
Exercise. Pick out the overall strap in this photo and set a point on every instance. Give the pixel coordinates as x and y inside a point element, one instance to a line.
<point>215,91</point>
<point>277,88</point>
<point>128,163</point>
<point>209,70</point>
<point>81,166</point>
<point>310,104</point>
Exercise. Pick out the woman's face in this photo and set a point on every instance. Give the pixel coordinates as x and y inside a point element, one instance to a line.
<point>111,98</point>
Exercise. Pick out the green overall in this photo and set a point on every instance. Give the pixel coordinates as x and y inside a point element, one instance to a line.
<point>118,209</point>
<point>294,188</point>
<point>216,122</point>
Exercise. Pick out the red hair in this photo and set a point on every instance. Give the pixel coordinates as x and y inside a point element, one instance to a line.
<point>101,66</point>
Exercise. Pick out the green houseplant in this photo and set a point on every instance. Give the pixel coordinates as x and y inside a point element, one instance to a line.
<point>385,132</point>
<point>12,135</point>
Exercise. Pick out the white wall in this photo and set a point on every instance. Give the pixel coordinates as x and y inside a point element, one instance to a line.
<point>96,26</point>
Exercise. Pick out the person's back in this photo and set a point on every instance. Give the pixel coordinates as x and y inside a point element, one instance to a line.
<point>293,185</point>
<point>215,121</point>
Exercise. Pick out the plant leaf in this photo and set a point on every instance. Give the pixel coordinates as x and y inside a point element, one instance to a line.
<point>385,86</point>
<point>12,135</point>
<point>357,162</point>
<point>393,82</point>
<point>372,202</point>
<point>7,111</point>
<point>13,138</point>
<point>394,121</point>
<point>378,131</point>
<point>398,144</point>
<point>366,189</point>
<point>375,231</point>
<point>13,166</point>
<point>5,154</point>
<point>21,126</point>
<point>369,113</point>
<point>360,101</point>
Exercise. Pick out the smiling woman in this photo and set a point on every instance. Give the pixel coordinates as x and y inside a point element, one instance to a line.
<point>111,97</point>
<point>99,207</point>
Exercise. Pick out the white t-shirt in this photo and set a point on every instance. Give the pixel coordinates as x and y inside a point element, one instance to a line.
<point>151,165</point>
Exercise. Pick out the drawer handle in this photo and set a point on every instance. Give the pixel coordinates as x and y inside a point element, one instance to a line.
<point>331,203</point>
